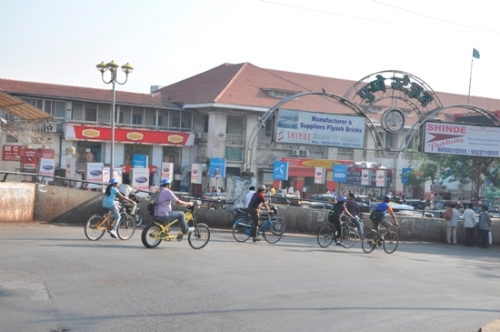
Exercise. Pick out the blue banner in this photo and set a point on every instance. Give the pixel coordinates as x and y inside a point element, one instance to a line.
<point>280,170</point>
<point>139,161</point>
<point>404,179</point>
<point>217,167</point>
<point>339,173</point>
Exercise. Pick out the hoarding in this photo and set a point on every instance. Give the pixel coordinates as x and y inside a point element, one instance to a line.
<point>320,129</point>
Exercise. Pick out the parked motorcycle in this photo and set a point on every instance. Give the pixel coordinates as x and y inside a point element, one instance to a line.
<point>128,209</point>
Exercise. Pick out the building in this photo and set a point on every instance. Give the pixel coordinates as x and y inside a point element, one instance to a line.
<point>214,115</point>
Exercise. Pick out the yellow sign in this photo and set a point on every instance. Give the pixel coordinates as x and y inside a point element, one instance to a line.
<point>175,139</point>
<point>91,133</point>
<point>134,136</point>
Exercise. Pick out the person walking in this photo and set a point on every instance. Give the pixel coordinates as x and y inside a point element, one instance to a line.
<point>304,191</point>
<point>451,225</point>
<point>334,217</point>
<point>163,210</point>
<point>109,202</point>
<point>257,202</point>
<point>353,208</point>
<point>484,226</point>
<point>469,224</point>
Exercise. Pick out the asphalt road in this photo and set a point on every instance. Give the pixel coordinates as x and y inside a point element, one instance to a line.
<point>53,279</point>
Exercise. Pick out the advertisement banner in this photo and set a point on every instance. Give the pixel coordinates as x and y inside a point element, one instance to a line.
<point>105,177</point>
<point>47,167</point>
<point>196,175</point>
<point>29,161</point>
<point>68,167</point>
<point>12,152</point>
<point>319,175</point>
<point>139,161</point>
<point>404,179</point>
<point>320,129</point>
<point>93,173</point>
<point>139,178</point>
<point>339,173</point>
<point>167,171</point>
<point>458,139</point>
<point>280,170</point>
<point>381,178</point>
<point>365,177</point>
<point>217,168</point>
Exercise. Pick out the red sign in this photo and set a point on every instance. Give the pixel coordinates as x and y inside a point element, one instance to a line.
<point>12,152</point>
<point>29,161</point>
<point>46,153</point>
<point>126,169</point>
<point>128,135</point>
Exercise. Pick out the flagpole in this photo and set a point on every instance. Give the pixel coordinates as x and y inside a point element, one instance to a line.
<point>470,78</point>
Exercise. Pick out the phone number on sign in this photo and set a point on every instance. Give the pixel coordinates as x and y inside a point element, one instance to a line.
<point>452,150</point>
<point>484,153</point>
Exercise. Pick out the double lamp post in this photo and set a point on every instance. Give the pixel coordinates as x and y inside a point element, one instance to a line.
<point>113,69</point>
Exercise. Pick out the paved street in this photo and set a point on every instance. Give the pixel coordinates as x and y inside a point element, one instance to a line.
<point>53,279</point>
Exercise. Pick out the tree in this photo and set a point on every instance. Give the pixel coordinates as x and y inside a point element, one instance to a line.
<point>421,171</point>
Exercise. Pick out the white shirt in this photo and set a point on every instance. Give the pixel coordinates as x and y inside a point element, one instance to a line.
<point>248,197</point>
<point>126,190</point>
<point>290,190</point>
<point>469,218</point>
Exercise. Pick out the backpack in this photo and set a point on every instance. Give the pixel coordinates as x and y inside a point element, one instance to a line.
<point>376,215</point>
<point>153,202</point>
<point>448,214</point>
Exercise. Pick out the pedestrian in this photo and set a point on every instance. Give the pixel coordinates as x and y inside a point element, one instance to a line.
<point>469,224</point>
<point>304,190</point>
<point>484,226</point>
<point>353,208</point>
<point>257,202</point>
<point>249,195</point>
<point>451,225</point>
<point>328,192</point>
<point>153,188</point>
<point>290,190</point>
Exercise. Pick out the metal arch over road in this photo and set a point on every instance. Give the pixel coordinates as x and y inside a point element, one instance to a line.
<point>250,164</point>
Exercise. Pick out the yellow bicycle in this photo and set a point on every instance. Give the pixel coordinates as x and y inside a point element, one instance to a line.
<point>155,232</point>
<point>98,224</point>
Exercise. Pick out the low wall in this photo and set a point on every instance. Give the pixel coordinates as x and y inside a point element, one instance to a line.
<point>17,200</point>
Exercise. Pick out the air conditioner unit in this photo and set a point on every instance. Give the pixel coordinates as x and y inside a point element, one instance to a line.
<point>295,152</point>
<point>304,153</point>
<point>50,127</point>
<point>197,135</point>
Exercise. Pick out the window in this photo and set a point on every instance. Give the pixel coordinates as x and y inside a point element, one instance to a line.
<point>234,154</point>
<point>186,121</point>
<point>175,119</point>
<point>11,139</point>
<point>137,119</point>
<point>205,124</point>
<point>159,121</point>
<point>59,110</point>
<point>120,117</point>
<point>269,128</point>
<point>91,115</point>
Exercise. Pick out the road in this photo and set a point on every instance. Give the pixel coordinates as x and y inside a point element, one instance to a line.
<point>53,279</point>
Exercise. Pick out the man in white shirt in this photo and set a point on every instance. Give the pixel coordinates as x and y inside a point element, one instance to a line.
<point>304,190</point>
<point>125,189</point>
<point>248,196</point>
<point>469,224</point>
<point>290,190</point>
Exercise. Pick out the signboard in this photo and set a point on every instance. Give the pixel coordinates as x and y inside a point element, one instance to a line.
<point>93,173</point>
<point>12,152</point>
<point>458,139</point>
<point>139,161</point>
<point>381,178</point>
<point>339,173</point>
<point>167,171</point>
<point>365,177</point>
<point>280,170</point>
<point>319,175</point>
<point>139,178</point>
<point>196,174</point>
<point>217,168</point>
<point>323,163</point>
<point>29,160</point>
<point>320,129</point>
<point>47,167</point>
<point>404,179</point>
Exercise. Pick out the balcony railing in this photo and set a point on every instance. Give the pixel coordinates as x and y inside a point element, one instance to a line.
<point>234,139</point>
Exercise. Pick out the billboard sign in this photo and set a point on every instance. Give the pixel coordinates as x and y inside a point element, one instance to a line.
<point>320,129</point>
<point>339,173</point>
<point>280,170</point>
<point>218,168</point>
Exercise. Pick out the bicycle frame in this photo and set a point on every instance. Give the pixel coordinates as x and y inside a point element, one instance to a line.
<point>106,223</point>
<point>165,229</point>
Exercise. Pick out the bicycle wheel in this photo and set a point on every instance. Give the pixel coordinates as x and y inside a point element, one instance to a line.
<point>242,229</point>
<point>269,235</point>
<point>369,242</point>
<point>326,236</point>
<point>349,236</point>
<point>149,234</point>
<point>277,226</point>
<point>91,231</point>
<point>200,237</point>
<point>391,242</point>
<point>126,228</point>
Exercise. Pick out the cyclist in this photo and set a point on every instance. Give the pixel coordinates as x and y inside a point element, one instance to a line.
<point>109,202</point>
<point>334,217</point>
<point>353,208</point>
<point>256,203</point>
<point>384,207</point>
<point>125,189</point>
<point>163,210</point>
<point>249,195</point>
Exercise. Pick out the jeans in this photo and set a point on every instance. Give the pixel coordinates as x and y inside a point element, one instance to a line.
<point>451,234</point>
<point>174,215</point>
<point>356,222</point>
<point>469,236</point>
<point>116,214</point>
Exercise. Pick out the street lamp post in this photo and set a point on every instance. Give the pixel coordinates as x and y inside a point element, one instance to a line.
<point>113,68</point>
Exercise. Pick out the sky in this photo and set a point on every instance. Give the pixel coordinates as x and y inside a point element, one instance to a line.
<point>166,41</point>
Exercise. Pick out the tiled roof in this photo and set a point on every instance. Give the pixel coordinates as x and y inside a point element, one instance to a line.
<point>56,91</point>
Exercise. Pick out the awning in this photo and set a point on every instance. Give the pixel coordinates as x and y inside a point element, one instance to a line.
<point>21,109</point>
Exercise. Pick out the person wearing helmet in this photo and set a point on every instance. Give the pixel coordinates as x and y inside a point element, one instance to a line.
<point>109,202</point>
<point>384,207</point>
<point>163,210</point>
<point>353,208</point>
<point>334,217</point>
<point>257,202</point>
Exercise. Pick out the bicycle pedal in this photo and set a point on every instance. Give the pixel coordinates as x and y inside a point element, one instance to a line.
<point>179,237</point>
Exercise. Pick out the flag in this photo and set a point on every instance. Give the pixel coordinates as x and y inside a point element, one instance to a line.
<point>475,53</point>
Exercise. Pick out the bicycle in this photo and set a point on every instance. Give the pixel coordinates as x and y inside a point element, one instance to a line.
<point>98,224</point>
<point>373,240</point>
<point>272,228</point>
<point>155,232</point>
<point>349,233</point>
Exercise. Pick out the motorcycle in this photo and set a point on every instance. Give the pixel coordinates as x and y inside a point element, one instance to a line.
<point>137,216</point>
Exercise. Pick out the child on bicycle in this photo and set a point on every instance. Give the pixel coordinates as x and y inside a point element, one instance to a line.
<point>334,217</point>
<point>109,202</point>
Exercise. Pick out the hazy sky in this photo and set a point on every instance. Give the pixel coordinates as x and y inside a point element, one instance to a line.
<point>61,42</point>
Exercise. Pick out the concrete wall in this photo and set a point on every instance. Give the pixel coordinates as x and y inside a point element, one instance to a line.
<point>17,200</point>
